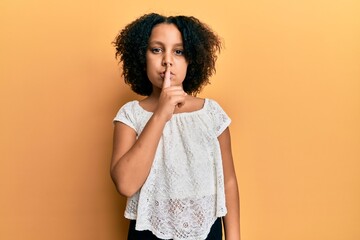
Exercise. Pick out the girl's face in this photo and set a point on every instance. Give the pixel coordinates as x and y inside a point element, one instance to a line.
<point>165,47</point>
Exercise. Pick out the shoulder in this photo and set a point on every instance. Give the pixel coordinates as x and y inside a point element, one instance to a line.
<point>212,105</point>
<point>129,106</point>
<point>126,109</point>
<point>217,115</point>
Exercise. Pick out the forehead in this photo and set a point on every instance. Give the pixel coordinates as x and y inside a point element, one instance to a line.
<point>165,32</point>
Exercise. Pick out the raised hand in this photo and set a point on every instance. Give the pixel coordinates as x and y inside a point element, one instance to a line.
<point>170,97</point>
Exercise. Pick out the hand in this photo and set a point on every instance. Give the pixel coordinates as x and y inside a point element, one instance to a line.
<point>170,97</point>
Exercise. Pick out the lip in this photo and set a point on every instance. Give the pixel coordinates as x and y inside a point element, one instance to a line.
<point>162,75</point>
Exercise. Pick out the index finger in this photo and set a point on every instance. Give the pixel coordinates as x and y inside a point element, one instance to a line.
<point>167,81</point>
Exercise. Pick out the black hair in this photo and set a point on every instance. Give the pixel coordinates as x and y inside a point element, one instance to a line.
<point>201,46</point>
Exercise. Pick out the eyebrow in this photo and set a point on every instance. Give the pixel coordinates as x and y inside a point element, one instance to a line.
<point>161,43</point>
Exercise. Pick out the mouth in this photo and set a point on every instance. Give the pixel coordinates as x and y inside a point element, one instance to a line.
<point>162,75</point>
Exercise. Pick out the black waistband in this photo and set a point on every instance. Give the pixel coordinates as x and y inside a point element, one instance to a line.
<point>214,234</point>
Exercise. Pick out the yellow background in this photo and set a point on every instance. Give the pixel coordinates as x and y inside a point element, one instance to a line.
<point>289,77</point>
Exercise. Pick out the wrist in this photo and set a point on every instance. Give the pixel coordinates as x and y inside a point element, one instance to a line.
<point>160,118</point>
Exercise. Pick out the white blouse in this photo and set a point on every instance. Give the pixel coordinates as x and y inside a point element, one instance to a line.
<point>184,192</point>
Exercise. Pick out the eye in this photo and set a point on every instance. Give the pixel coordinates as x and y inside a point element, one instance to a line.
<point>179,52</point>
<point>156,50</point>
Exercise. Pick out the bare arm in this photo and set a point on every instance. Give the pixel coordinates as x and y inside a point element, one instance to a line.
<point>132,158</point>
<point>232,218</point>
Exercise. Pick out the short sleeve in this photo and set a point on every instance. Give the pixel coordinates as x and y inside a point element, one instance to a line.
<point>126,115</point>
<point>219,117</point>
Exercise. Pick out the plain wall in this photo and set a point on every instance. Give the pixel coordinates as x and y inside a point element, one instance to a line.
<point>288,76</point>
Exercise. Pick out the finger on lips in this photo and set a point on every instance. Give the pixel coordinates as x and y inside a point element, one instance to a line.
<point>167,81</point>
<point>178,90</point>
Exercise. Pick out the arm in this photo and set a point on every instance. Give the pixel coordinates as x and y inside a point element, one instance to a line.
<point>132,158</point>
<point>232,218</point>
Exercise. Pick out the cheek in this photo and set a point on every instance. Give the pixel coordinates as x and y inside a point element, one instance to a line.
<point>152,62</point>
<point>151,69</point>
<point>148,65</point>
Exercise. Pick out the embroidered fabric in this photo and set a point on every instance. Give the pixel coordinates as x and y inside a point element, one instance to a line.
<point>184,192</point>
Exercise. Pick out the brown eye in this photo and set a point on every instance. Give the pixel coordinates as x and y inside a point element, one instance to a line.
<point>156,50</point>
<point>179,52</point>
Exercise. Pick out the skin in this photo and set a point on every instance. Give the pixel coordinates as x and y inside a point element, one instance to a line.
<point>166,70</point>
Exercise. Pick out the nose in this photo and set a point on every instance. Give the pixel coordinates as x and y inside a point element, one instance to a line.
<point>165,63</point>
<point>167,59</point>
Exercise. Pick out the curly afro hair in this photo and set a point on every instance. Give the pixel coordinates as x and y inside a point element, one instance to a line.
<point>201,46</point>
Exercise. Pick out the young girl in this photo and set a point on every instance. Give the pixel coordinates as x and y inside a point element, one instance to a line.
<point>172,151</point>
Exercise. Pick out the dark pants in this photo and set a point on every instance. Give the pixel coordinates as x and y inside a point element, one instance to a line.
<point>215,232</point>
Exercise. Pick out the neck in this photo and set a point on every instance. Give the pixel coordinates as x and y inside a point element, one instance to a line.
<point>155,93</point>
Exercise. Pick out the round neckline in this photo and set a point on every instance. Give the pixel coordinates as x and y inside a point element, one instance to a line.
<point>181,113</point>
